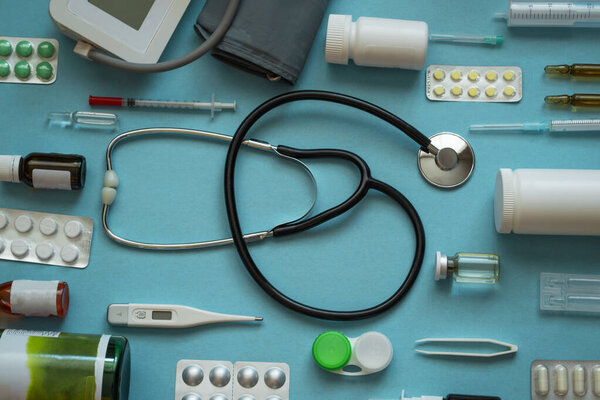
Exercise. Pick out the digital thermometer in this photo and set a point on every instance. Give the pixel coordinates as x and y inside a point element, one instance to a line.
<point>166,316</point>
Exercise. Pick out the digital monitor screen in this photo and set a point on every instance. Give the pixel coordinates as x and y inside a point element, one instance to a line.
<point>130,12</point>
<point>161,315</point>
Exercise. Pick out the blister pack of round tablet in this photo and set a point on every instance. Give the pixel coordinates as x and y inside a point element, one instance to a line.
<point>28,60</point>
<point>44,238</point>
<point>493,84</point>
<point>222,380</point>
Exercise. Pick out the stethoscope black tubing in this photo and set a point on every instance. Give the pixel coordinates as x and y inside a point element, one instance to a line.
<point>366,183</point>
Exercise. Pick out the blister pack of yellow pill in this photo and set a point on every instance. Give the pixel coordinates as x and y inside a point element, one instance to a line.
<point>495,84</point>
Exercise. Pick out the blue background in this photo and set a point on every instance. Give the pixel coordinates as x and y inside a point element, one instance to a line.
<point>171,190</point>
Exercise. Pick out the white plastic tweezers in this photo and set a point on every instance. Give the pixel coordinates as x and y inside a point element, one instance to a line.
<point>510,348</point>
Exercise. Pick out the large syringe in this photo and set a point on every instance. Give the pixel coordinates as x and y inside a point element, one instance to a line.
<point>552,14</point>
<point>569,125</point>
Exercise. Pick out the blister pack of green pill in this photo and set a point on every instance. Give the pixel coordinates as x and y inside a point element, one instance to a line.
<point>28,60</point>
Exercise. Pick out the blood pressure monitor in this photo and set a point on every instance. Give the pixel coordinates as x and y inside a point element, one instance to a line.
<point>134,30</point>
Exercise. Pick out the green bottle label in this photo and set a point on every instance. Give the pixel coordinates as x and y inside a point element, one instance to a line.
<point>51,365</point>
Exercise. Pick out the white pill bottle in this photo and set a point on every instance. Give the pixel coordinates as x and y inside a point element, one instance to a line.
<point>377,42</point>
<point>548,201</point>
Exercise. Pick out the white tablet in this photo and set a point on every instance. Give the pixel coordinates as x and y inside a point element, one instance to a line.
<point>134,30</point>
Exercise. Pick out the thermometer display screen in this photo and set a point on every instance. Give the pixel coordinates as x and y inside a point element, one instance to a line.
<point>162,315</point>
<point>130,12</point>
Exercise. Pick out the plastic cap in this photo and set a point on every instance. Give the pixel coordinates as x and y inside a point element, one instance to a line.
<point>9,168</point>
<point>117,314</point>
<point>338,39</point>
<point>504,200</point>
<point>373,351</point>
<point>332,350</point>
<point>441,266</point>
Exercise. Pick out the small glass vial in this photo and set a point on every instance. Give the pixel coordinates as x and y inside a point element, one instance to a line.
<point>45,170</point>
<point>468,267</point>
<point>34,298</point>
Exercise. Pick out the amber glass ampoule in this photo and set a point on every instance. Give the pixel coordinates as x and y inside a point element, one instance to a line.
<point>45,170</point>
<point>34,298</point>
<point>576,70</point>
<point>576,100</point>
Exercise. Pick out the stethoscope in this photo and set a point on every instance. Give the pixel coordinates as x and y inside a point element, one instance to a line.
<point>446,166</point>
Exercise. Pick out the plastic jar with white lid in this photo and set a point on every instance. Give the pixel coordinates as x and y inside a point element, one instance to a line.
<point>548,201</point>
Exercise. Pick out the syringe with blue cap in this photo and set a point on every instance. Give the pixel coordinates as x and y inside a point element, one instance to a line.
<point>567,125</point>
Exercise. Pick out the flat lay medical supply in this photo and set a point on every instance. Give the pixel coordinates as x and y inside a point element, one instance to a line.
<point>449,159</point>
<point>447,397</point>
<point>468,267</point>
<point>45,170</point>
<point>495,84</point>
<point>34,298</point>
<point>222,380</point>
<point>543,14</point>
<point>575,70</point>
<point>547,201</point>
<point>569,292</point>
<point>555,125</point>
<point>367,354</point>
<point>28,60</point>
<point>44,238</point>
<point>565,379</point>
<point>509,348</point>
<point>83,120</point>
<point>385,42</point>
<point>166,316</point>
<point>136,33</point>
<point>212,106</point>
<point>55,365</point>
<point>269,38</point>
<point>575,100</point>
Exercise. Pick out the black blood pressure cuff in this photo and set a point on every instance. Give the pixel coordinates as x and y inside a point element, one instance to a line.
<point>271,38</point>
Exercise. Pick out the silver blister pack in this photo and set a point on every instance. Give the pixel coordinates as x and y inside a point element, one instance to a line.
<point>565,380</point>
<point>37,58</point>
<point>494,84</point>
<point>222,380</point>
<point>44,238</point>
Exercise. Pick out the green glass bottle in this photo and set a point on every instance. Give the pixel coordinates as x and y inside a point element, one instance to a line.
<point>38,365</point>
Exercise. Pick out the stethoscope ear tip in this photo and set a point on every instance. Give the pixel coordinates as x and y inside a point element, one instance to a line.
<point>451,164</point>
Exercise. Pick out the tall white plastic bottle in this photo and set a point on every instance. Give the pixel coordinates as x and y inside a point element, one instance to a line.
<point>377,42</point>
<point>548,201</point>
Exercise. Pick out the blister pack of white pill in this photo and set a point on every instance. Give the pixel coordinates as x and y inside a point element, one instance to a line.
<point>44,238</point>
<point>565,380</point>
<point>494,84</point>
<point>28,60</point>
<point>222,380</point>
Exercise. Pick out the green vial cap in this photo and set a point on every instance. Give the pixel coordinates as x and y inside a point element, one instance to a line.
<point>46,50</point>
<point>5,48</point>
<point>44,70</point>
<point>332,350</point>
<point>24,48</point>
<point>23,69</point>
<point>4,68</point>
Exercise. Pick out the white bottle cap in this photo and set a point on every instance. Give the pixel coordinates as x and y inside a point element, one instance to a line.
<point>9,168</point>
<point>441,266</point>
<point>504,200</point>
<point>338,39</point>
<point>372,352</point>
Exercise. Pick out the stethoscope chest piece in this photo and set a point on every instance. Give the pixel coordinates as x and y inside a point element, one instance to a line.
<point>452,165</point>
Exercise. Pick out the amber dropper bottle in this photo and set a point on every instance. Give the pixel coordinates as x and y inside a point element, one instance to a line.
<point>45,170</point>
<point>34,298</point>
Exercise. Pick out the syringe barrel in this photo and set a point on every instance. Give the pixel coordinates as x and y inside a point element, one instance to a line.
<point>575,125</point>
<point>553,14</point>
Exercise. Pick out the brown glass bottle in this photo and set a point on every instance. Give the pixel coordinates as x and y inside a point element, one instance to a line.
<point>46,298</point>
<point>45,170</point>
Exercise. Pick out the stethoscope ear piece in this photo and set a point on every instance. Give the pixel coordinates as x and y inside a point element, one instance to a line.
<point>452,165</point>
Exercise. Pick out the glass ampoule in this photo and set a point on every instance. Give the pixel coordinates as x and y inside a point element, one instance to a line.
<point>468,267</point>
<point>45,170</point>
<point>34,298</point>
